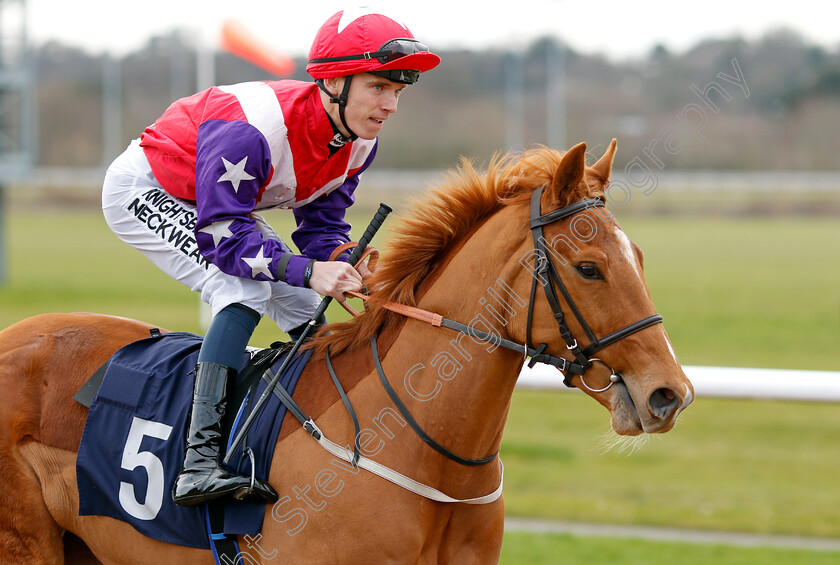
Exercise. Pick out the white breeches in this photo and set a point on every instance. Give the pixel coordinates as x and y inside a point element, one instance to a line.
<point>145,216</point>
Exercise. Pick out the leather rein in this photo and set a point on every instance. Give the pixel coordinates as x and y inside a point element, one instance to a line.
<point>545,274</point>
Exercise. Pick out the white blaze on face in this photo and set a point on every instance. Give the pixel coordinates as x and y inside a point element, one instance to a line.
<point>627,250</point>
<point>671,348</point>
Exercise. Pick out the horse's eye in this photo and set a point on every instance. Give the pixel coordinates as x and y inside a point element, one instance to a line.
<point>590,271</point>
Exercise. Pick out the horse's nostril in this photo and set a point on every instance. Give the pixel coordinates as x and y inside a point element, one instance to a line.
<point>663,402</point>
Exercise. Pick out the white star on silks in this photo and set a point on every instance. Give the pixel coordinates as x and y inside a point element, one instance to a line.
<point>259,264</point>
<point>235,173</point>
<point>219,231</point>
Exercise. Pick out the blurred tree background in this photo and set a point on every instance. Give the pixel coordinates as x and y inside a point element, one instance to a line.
<point>787,122</point>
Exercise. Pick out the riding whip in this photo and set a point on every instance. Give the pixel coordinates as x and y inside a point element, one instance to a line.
<point>371,230</point>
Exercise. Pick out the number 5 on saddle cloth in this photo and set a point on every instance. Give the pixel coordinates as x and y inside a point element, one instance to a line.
<point>133,444</point>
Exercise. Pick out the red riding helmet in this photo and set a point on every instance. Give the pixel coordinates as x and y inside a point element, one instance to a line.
<point>362,41</point>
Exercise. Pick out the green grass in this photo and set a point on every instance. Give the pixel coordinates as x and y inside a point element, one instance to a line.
<point>734,292</point>
<point>749,466</point>
<point>551,549</point>
<point>742,292</point>
<point>749,292</point>
<point>70,261</point>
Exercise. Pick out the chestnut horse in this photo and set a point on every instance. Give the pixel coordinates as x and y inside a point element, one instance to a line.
<point>466,252</point>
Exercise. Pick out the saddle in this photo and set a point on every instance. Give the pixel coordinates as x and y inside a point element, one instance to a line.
<point>133,444</point>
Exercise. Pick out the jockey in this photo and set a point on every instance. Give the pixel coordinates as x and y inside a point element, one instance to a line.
<point>188,192</point>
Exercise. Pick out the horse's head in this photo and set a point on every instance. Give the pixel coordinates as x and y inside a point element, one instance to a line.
<point>597,283</point>
<point>537,223</point>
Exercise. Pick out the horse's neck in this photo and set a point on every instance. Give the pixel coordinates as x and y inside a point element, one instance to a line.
<point>456,383</point>
<point>457,388</point>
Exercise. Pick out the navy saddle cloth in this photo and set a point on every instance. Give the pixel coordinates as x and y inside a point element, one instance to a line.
<point>134,439</point>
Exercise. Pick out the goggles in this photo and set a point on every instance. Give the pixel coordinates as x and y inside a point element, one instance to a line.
<point>396,48</point>
<point>405,76</point>
<point>388,52</point>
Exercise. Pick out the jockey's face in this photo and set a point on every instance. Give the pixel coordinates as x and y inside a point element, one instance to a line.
<point>371,100</point>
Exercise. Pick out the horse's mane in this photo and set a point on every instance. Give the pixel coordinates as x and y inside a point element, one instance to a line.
<point>435,223</point>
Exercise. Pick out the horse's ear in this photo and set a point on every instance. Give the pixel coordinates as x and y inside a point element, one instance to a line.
<point>604,165</point>
<point>568,175</point>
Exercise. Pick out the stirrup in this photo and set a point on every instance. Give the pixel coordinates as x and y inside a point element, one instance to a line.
<point>243,494</point>
<point>227,484</point>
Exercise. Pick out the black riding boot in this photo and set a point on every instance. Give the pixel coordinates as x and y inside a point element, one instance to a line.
<point>202,478</point>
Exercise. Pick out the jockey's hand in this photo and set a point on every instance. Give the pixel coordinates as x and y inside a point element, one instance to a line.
<point>364,270</point>
<point>334,278</point>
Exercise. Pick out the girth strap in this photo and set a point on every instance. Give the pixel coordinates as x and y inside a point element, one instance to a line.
<point>283,395</point>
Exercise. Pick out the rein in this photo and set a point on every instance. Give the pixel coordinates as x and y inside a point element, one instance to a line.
<point>360,461</point>
<point>413,423</point>
<point>545,274</point>
<point>537,355</point>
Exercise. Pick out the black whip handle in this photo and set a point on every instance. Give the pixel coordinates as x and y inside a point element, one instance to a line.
<point>364,241</point>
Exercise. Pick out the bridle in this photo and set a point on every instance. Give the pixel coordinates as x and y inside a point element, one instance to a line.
<point>544,270</point>
<point>546,274</point>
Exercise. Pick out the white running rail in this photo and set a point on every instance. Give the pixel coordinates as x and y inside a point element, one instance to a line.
<point>726,382</point>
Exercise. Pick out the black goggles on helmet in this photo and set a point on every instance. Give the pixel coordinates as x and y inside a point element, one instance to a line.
<point>405,76</point>
<point>389,51</point>
<point>396,48</point>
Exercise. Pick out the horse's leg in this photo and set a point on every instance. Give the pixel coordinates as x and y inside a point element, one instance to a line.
<point>28,533</point>
<point>111,541</point>
<point>473,535</point>
<point>43,361</point>
<point>39,510</point>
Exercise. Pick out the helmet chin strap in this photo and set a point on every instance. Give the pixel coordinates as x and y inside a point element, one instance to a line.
<point>341,100</point>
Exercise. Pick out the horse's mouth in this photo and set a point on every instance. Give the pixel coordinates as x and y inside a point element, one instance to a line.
<point>625,418</point>
<point>663,407</point>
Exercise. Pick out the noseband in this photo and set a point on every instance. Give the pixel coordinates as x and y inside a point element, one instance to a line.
<point>546,274</point>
